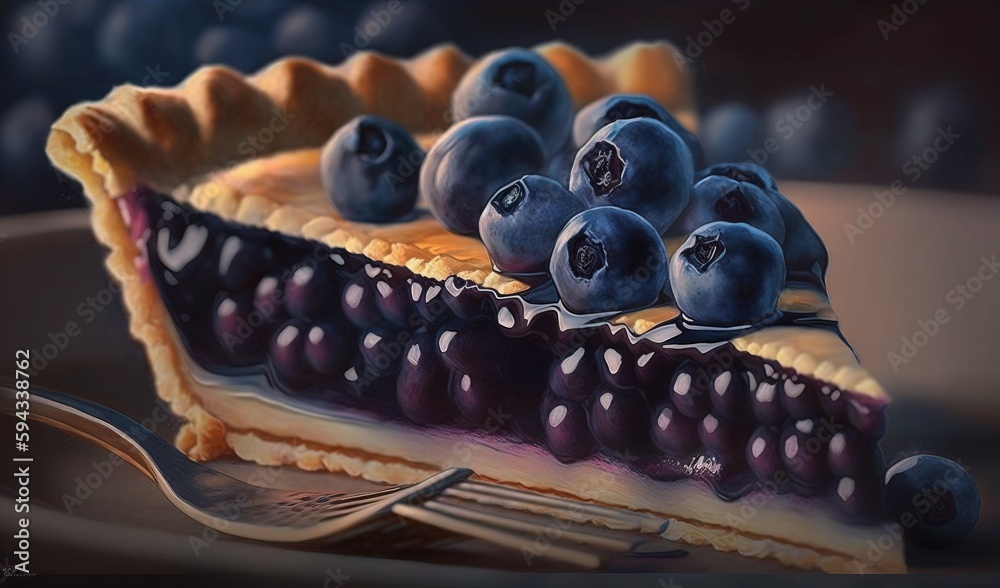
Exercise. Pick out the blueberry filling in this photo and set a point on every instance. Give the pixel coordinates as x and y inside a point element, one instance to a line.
<point>604,167</point>
<point>516,76</point>
<point>328,327</point>
<point>587,256</point>
<point>706,250</point>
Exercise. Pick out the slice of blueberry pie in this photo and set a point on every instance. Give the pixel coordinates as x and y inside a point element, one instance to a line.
<point>515,264</point>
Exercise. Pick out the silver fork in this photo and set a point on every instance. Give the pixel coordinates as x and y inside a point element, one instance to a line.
<point>266,514</point>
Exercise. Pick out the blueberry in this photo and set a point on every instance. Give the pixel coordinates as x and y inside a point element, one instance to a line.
<point>717,198</point>
<point>287,354</point>
<point>308,31</point>
<point>638,164</point>
<point>800,397</point>
<point>618,419</point>
<point>724,437</point>
<point>383,349</point>
<point>750,173</point>
<point>470,162</point>
<point>729,390</point>
<point>730,131</point>
<point>727,274</point>
<point>137,38</point>
<point>936,116</point>
<point>269,299</point>
<point>817,137</point>
<point>520,225</point>
<point>517,83</point>
<point>689,390</point>
<point>602,112</point>
<point>311,290</point>
<point>422,386</point>
<point>806,257</point>
<point>673,433</point>
<point>329,346</point>
<point>358,303</point>
<point>576,375</point>
<point>243,261</point>
<point>392,297</point>
<point>608,259</point>
<point>238,330</point>
<point>763,454</point>
<point>851,454</point>
<point>934,498</point>
<point>765,403</point>
<point>368,170</point>
<point>859,498</point>
<point>567,431</point>
<point>480,398</point>
<point>803,451</point>
<point>229,45</point>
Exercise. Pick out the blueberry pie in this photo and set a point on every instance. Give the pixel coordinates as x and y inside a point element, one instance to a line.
<point>514,264</point>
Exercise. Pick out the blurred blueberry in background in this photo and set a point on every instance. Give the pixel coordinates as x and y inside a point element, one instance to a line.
<point>729,131</point>
<point>229,45</point>
<point>62,52</point>
<point>815,134</point>
<point>149,42</point>
<point>310,32</point>
<point>397,28</point>
<point>27,178</point>
<point>939,137</point>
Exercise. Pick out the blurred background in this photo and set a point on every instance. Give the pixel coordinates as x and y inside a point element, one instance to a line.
<point>893,76</point>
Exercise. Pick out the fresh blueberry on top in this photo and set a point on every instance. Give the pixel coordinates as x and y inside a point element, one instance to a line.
<point>720,199</point>
<point>517,83</point>
<point>933,498</point>
<point>522,221</point>
<point>608,259</point>
<point>741,172</point>
<point>638,164</point>
<point>727,274</point>
<point>471,161</point>
<point>367,169</point>
<point>806,257</point>
<point>600,113</point>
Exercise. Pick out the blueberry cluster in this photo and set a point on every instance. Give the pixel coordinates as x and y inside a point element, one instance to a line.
<point>597,229</point>
<point>327,326</point>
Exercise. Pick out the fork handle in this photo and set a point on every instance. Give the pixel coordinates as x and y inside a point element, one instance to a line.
<point>108,428</point>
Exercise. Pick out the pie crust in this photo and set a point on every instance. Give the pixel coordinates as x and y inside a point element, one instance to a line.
<point>196,142</point>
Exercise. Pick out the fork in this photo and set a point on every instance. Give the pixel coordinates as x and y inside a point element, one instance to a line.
<point>237,508</point>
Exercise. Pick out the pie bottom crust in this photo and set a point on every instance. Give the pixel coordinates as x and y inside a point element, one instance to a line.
<point>205,436</point>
